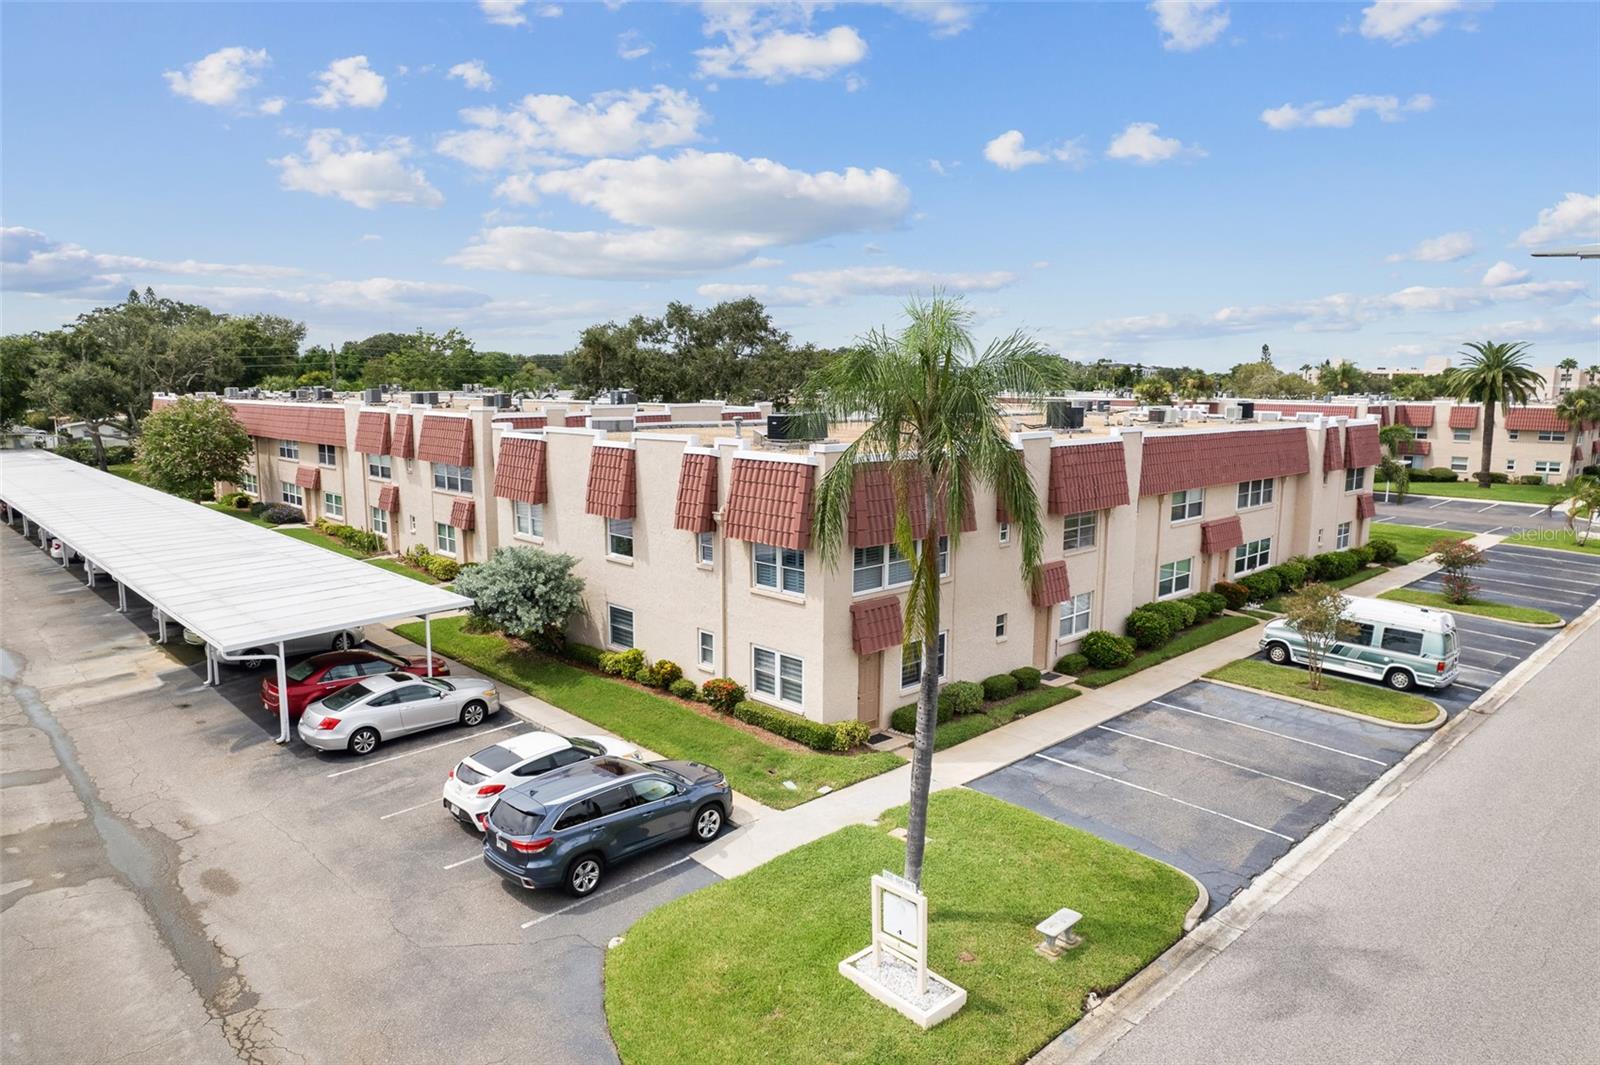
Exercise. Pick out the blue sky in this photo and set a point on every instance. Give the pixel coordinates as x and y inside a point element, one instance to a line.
<point>1162,183</point>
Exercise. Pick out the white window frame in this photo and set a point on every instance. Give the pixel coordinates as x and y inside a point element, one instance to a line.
<point>911,654</point>
<point>1005,533</point>
<point>1252,555</point>
<point>289,449</point>
<point>248,483</point>
<point>1511,465</point>
<point>380,521</point>
<point>1073,618</point>
<point>1547,467</point>
<point>291,494</point>
<point>612,610</point>
<point>1458,463</point>
<point>448,478</point>
<point>892,569</point>
<point>1461,436</point>
<point>1355,480</point>
<point>380,467</point>
<point>1341,539</point>
<point>527,519</point>
<point>444,538</point>
<point>327,455</point>
<point>1552,436</point>
<point>706,649</point>
<point>1257,493</point>
<point>1078,531</point>
<point>1000,626</point>
<point>333,504</point>
<point>619,537</point>
<point>1419,434</point>
<point>705,548</point>
<point>1171,574</point>
<point>1188,504</point>
<point>785,566</point>
<point>777,687</point>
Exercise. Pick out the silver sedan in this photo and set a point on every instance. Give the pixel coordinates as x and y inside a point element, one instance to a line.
<point>359,717</point>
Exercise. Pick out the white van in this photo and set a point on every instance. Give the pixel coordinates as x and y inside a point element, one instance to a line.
<point>1397,644</point>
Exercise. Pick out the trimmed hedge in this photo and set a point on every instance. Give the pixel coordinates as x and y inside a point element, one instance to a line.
<point>659,674</point>
<point>1000,686</point>
<point>1291,574</point>
<point>1179,614</point>
<point>1106,650</point>
<point>683,688</point>
<point>837,736</point>
<point>1027,678</point>
<point>1261,586</point>
<point>722,693</point>
<point>1148,628</point>
<point>1233,593</point>
<point>1384,551</point>
<point>283,514</point>
<point>1072,664</point>
<point>962,696</point>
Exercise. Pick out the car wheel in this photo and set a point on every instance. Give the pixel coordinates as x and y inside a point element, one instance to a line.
<point>343,642</point>
<point>473,713</point>
<point>583,875</point>
<point>363,741</point>
<point>1398,679</point>
<point>254,663</point>
<point>1278,653</point>
<point>708,822</point>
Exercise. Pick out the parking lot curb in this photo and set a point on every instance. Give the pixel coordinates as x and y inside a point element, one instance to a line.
<point>1438,720</point>
<point>1126,1007</point>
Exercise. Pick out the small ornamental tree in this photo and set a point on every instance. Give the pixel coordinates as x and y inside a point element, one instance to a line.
<point>188,447</point>
<point>525,592</point>
<point>1153,392</point>
<point>1317,613</point>
<point>1456,558</point>
<point>1583,508</point>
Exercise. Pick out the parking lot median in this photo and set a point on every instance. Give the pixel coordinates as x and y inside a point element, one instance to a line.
<point>1351,696</point>
<point>1485,608</point>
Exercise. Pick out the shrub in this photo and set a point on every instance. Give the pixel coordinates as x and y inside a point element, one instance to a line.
<point>610,663</point>
<point>1214,602</point>
<point>1498,478</point>
<point>1363,555</point>
<point>1261,586</point>
<point>1000,686</point>
<point>1179,614</point>
<point>1235,595</point>
<point>1149,628</point>
<point>1440,473</point>
<point>231,500</point>
<point>1106,650</point>
<point>584,654</point>
<point>526,591</point>
<point>962,696</point>
<point>839,736</point>
<point>904,719</point>
<point>1027,678</point>
<point>683,688</point>
<point>722,694</point>
<point>282,514</point>
<point>622,663</point>
<point>442,568</point>
<point>1530,478</point>
<point>660,673</point>
<point>1291,574</point>
<point>242,501</point>
<point>1384,551</point>
<point>1073,664</point>
<point>1332,565</point>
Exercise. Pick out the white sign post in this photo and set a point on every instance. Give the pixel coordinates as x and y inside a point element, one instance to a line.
<point>894,969</point>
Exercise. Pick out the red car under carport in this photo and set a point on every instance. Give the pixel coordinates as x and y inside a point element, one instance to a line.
<point>324,674</point>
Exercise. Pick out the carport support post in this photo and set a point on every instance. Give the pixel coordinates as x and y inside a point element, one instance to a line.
<point>283,698</point>
<point>427,640</point>
<point>122,598</point>
<point>88,569</point>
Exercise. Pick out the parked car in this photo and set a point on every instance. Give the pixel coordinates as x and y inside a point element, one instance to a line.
<point>567,827</point>
<point>324,674</point>
<point>1397,644</point>
<point>472,786</point>
<point>359,716</point>
<point>57,549</point>
<point>340,640</point>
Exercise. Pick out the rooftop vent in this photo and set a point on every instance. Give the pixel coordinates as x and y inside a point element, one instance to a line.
<point>799,425</point>
<point>612,425</point>
<point>372,396</point>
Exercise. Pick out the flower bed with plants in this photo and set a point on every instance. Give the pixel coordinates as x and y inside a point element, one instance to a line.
<point>967,708</point>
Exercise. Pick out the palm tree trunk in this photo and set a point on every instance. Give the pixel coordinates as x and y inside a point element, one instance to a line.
<point>1488,445</point>
<point>927,701</point>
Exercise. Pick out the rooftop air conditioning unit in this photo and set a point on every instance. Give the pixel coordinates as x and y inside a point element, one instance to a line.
<point>1161,416</point>
<point>799,425</point>
<point>302,393</point>
<point>1057,413</point>
<point>612,425</point>
<point>252,393</point>
<point>230,393</point>
<point>373,396</point>
<point>1233,412</point>
<point>472,387</point>
<point>320,393</point>
<point>419,399</point>
<point>1270,416</point>
<point>1247,410</point>
<point>1306,416</point>
<point>1102,405</point>
<point>497,400</point>
<point>622,396</point>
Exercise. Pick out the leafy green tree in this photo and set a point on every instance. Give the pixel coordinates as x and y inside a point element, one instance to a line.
<point>1582,508</point>
<point>1152,392</point>
<point>77,379</point>
<point>189,446</point>
<point>1391,468</point>
<point>18,355</point>
<point>932,406</point>
<point>525,592</point>
<point>1494,375</point>
<point>1316,612</point>
<point>1580,407</point>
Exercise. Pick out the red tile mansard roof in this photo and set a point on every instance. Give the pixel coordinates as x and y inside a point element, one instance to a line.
<point>1415,447</point>
<point>463,514</point>
<point>1332,449</point>
<point>1051,586</point>
<point>871,517</point>
<point>372,432</point>
<point>283,421</point>
<point>770,502</point>
<point>1361,447</point>
<point>1176,461</point>
<point>1087,477</point>
<point>1366,506</point>
<point>519,472</point>
<point>613,486</point>
<point>1414,415</point>
<point>520,421</point>
<point>389,499</point>
<point>1535,419</point>
<point>697,493</point>
<point>308,477</point>
<point>403,445</point>
<point>875,624</point>
<point>1463,417</point>
<point>1221,534</point>
<point>446,440</point>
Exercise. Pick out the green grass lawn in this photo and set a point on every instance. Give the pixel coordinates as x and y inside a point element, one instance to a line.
<point>253,515</point>
<point>1481,607</point>
<point>128,471</point>
<point>1355,696</point>
<point>1264,615</point>
<point>753,766</point>
<point>993,715</point>
<point>401,568</point>
<point>1495,493</point>
<point>1187,640</point>
<point>323,540</point>
<point>1413,541</point>
<point>1558,539</point>
<point>746,970</point>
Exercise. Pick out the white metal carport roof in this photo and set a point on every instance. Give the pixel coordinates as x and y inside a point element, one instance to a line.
<point>236,584</point>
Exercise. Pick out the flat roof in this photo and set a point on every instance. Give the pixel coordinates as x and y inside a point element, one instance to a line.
<point>235,583</point>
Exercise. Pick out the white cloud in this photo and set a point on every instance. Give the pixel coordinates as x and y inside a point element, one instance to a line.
<point>821,288</point>
<point>504,12</point>
<point>1187,25</point>
<point>220,78</point>
<point>1503,273</point>
<point>1343,116</point>
<point>473,74</point>
<point>370,237</point>
<point>1008,152</point>
<point>32,262</point>
<point>350,82</point>
<point>1404,21</point>
<point>1441,249</point>
<point>631,45</point>
<point>272,105</point>
<point>540,128</point>
<point>518,188</point>
<point>946,19</point>
<point>335,164</point>
<point>1576,217</point>
<point>612,255</point>
<point>942,168</point>
<point>758,43</point>
<point>1139,143</point>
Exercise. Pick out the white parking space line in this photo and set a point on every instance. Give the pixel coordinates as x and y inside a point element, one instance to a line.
<point>409,809</point>
<point>1435,525</point>
<point>1491,532</point>
<point>1441,503</point>
<point>1469,687</point>
<point>1479,669</point>
<point>1269,732</point>
<point>1495,635</point>
<point>1164,795</point>
<point>1224,761</point>
<point>464,861</point>
<point>424,750</point>
<point>602,894</point>
<point>1583,587</point>
<point>1491,506</point>
<point>1380,521</point>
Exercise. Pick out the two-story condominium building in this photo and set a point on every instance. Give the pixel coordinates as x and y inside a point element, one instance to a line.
<point>692,533</point>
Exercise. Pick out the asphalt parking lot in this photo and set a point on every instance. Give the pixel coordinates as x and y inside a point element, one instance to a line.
<point>240,901</point>
<point>1472,515</point>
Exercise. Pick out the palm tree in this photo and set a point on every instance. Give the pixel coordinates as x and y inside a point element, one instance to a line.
<point>1390,468</point>
<point>1583,505</point>
<point>1494,374</point>
<point>932,407</point>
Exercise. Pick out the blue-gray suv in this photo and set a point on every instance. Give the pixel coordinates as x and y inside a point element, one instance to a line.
<point>565,828</point>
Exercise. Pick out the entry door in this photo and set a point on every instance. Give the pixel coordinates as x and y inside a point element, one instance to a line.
<point>1044,620</point>
<point>869,689</point>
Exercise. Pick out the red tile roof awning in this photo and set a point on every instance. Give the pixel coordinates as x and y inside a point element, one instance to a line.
<point>1087,477</point>
<point>389,499</point>
<point>308,477</point>
<point>1361,447</point>
<point>1332,449</point>
<point>575,421</point>
<point>446,440</point>
<point>1535,419</point>
<point>372,433</point>
<point>1415,447</point>
<point>769,502</point>
<point>652,419</point>
<point>519,472</point>
<point>272,420</point>
<point>1463,417</point>
<point>1366,506</point>
<point>1414,415</point>
<point>1051,585</point>
<point>875,624</point>
<point>1176,461</point>
<point>1223,534</point>
<point>1291,409</point>
<point>872,513</point>
<point>697,494</point>
<point>612,489</point>
<point>402,443</point>
<point>520,421</point>
<point>463,513</point>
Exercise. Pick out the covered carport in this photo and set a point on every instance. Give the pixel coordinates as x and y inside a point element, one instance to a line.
<point>243,590</point>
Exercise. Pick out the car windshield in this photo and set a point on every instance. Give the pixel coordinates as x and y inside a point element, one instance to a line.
<point>442,685</point>
<point>346,696</point>
<point>393,660</point>
<point>512,821</point>
<point>496,758</point>
<point>302,670</point>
